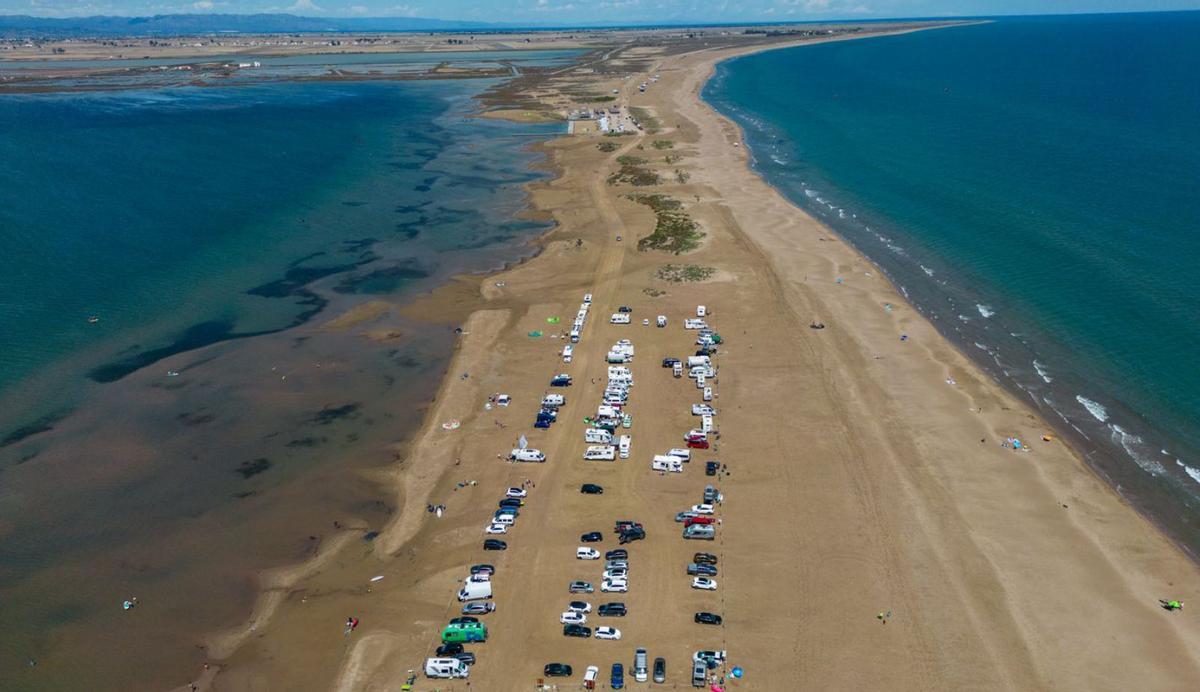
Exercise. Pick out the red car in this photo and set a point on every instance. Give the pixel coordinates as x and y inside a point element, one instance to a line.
<point>702,520</point>
<point>697,444</point>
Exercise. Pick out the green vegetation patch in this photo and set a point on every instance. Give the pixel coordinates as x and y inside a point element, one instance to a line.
<point>679,273</point>
<point>618,134</point>
<point>674,230</point>
<point>631,160</point>
<point>608,146</point>
<point>648,122</point>
<point>682,176</point>
<point>672,158</point>
<point>663,144</point>
<point>633,172</point>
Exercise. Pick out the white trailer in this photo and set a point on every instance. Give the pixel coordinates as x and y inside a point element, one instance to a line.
<point>663,462</point>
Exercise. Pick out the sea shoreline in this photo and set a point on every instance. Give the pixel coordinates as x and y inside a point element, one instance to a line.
<point>1103,459</point>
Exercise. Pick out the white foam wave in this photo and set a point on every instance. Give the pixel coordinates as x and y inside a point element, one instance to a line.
<point>1194,473</point>
<point>964,318</point>
<point>985,310</point>
<point>927,270</point>
<point>1042,372</point>
<point>1130,442</point>
<point>1099,412</point>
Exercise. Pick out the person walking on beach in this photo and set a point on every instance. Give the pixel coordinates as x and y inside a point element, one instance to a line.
<point>351,625</point>
<point>1171,605</point>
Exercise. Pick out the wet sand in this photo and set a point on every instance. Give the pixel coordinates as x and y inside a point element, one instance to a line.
<point>866,474</point>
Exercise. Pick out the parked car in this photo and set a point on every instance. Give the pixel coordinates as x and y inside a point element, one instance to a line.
<point>616,564</point>
<point>660,670</point>
<point>625,525</point>
<point>513,502</point>
<point>699,674</point>
<point>711,659</point>
<point>704,583</point>
<point>494,544</point>
<point>483,569</point>
<point>618,573</point>
<point>464,619</point>
<point>630,535</point>
<point>711,468</point>
<point>585,553</point>
<point>447,650</point>
<point>543,423</point>
<point>589,677</point>
<point>684,516</point>
<point>560,381</point>
<point>580,606</point>
<point>694,569</point>
<point>616,679</point>
<point>591,489</point>
<point>516,492</point>
<point>618,554</point>
<point>670,362</point>
<point>577,631</point>
<point>614,585</point>
<point>466,657</point>
<point>580,587</point>
<point>700,532</point>
<point>639,665</point>
<point>704,559</point>
<point>557,670</point>
<point>609,633</point>
<point>616,610</point>
<point>591,537</point>
<point>624,308</point>
<point>703,509</point>
<point>703,618</point>
<point>571,617</point>
<point>496,528</point>
<point>478,608</point>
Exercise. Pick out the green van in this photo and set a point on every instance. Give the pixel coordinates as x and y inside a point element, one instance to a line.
<point>463,632</point>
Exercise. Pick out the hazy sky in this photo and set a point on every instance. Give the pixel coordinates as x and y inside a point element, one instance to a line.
<point>583,11</point>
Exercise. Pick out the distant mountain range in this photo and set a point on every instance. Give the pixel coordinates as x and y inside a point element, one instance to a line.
<point>24,26</point>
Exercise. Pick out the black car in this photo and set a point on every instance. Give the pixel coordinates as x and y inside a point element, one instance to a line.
<point>560,381</point>
<point>704,559</point>
<point>701,570</point>
<point>625,525</point>
<point>670,362</point>
<point>466,657</point>
<point>463,619</point>
<point>660,669</point>
<point>511,502</point>
<point>708,618</point>
<point>711,468</point>
<point>483,569</point>
<point>557,670</point>
<point>618,554</point>
<point>591,489</point>
<point>449,649</point>
<point>577,631</point>
<point>624,308</point>
<point>543,424</point>
<point>494,544</point>
<point>593,537</point>
<point>612,610</point>
<point>631,535</point>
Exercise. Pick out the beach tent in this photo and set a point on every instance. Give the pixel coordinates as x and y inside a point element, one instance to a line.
<point>535,333</point>
<point>553,320</point>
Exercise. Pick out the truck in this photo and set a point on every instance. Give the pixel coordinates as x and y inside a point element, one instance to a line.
<point>475,591</point>
<point>663,462</point>
<point>446,668</point>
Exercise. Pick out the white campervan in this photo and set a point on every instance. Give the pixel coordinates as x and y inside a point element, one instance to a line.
<point>623,446</point>
<point>694,324</point>
<point>608,412</point>
<point>597,436</point>
<point>701,311</point>
<point>600,453</point>
<point>706,423</point>
<point>475,591</point>
<point>685,454</point>
<point>553,400</point>
<point>663,462</point>
<point>527,455</point>
<point>446,668</point>
<point>619,318</point>
<point>702,361</point>
<point>568,353</point>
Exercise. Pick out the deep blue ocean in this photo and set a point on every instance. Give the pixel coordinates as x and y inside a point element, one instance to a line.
<point>1033,186</point>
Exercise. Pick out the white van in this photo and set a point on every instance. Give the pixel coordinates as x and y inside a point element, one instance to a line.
<point>685,454</point>
<point>587,297</point>
<point>677,369</point>
<point>600,453</point>
<point>701,311</point>
<point>699,361</point>
<point>475,591</point>
<point>663,462</point>
<point>446,668</point>
<point>707,394</point>
<point>506,519</point>
<point>575,335</point>
<point>568,353</point>
<point>706,423</point>
<point>619,318</point>
<point>553,400</point>
<point>662,321</point>
<point>597,435</point>
<point>527,455</point>
<point>623,446</point>
<point>700,380</point>
<point>694,324</point>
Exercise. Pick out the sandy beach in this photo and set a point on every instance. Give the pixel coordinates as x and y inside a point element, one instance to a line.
<point>865,472</point>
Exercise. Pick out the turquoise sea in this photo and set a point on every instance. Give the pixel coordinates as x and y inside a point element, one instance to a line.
<point>202,427</point>
<point>1032,185</point>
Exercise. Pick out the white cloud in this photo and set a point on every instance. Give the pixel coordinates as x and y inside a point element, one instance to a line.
<point>304,6</point>
<point>203,5</point>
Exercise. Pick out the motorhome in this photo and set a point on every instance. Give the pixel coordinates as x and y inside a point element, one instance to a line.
<point>615,357</point>
<point>695,324</point>
<point>446,668</point>
<point>464,632</point>
<point>608,412</point>
<point>702,361</point>
<point>685,454</point>
<point>623,446</point>
<point>527,455</point>
<point>619,318</point>
<point>600,453</point>
<point>597,436</point>
<point>706,423</point>
<point>553,400</point>
<point>663,462</point>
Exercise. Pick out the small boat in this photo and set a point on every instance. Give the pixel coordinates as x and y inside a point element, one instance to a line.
<point>172,373</point>
<point>92,319</point>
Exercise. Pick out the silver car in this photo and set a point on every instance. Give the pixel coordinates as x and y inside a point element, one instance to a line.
<point>580,587</point>
<point>478,608</point>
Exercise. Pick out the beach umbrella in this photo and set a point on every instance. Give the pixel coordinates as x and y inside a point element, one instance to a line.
<point>737,672</point>
<point>522,443</point>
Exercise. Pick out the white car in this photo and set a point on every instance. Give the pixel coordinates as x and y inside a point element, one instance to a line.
<point>616,585</point>
<point>611,633</point>
<point>496,528</point>
<point>579,607</point>
<point>616,573</point>
<point>503,400</point>
<point>585,553</point>
<point>703,410</point>
<point>570,617</point>
<point>705,583</point>
<point>702,509</point>
<point>515,492</point>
